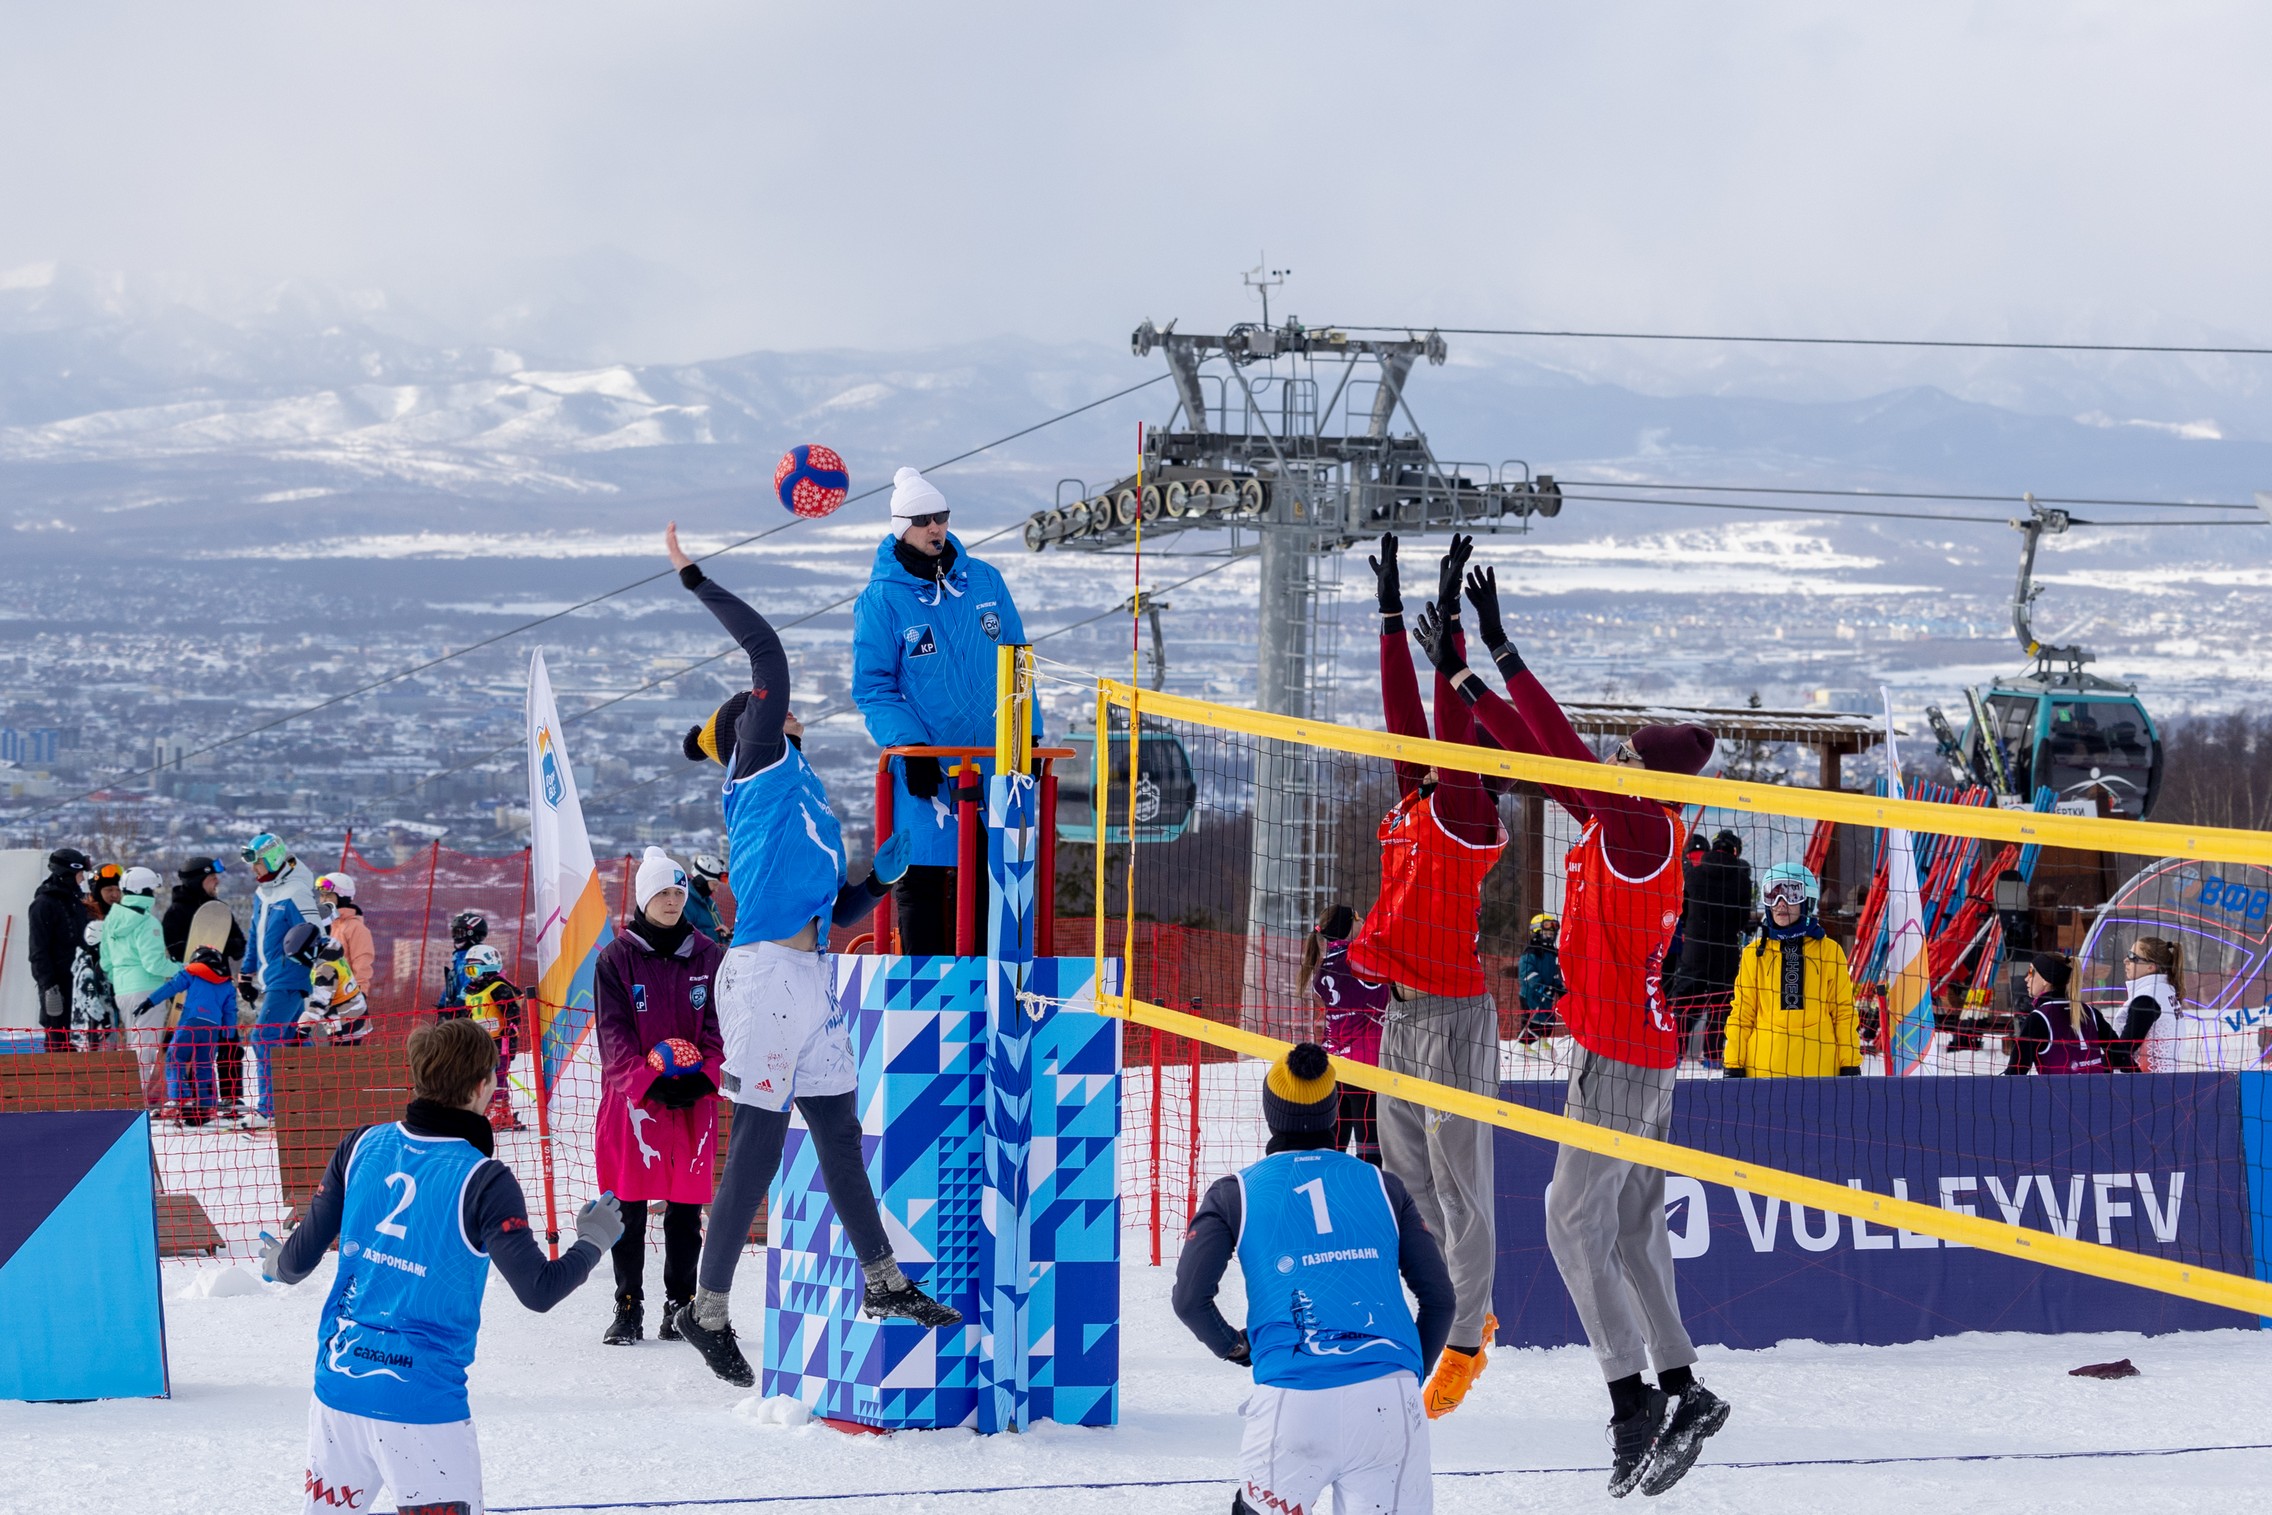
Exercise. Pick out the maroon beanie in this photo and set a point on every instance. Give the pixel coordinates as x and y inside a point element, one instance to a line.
<point>1674,749</point>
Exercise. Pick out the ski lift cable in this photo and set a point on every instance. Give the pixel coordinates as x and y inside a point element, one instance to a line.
<point>530,625</point>
<point>1905,494</point>
<point>1881,515</point>
<point>1894,342</point>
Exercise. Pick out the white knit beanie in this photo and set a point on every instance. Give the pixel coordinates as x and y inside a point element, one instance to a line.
<point>913,495</point>
<point>656,873</point>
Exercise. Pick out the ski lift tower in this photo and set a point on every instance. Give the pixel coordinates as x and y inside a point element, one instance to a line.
<point>1285,438</point>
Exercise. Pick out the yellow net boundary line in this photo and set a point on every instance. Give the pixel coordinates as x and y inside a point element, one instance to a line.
<point>2028,827</point>
<point>2208,1285</point>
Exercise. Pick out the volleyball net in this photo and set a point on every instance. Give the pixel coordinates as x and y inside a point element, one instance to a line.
<point>1843,1069</point>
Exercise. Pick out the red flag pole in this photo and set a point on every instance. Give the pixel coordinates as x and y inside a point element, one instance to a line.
<point>544,1131</point>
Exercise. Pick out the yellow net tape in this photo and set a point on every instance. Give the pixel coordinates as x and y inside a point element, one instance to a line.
<point>2028,827</point>
<point>2208,1285</point>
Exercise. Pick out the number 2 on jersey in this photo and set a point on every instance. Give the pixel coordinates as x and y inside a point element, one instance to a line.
<point>387,1227</point>
<point>1320,1216</point>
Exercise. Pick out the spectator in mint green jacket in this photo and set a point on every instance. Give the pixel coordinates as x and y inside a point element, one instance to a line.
<point>134,958</point>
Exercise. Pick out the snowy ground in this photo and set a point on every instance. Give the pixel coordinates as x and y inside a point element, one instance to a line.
<point>567,1424</point>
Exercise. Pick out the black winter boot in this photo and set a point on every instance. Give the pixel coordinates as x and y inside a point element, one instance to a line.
<point>718,1348</point>
<point>1696,1413</point>
<point>630,1322</point>
<point>909,1303</point>
<point>1631,1437</point>
<point>668,1330</point>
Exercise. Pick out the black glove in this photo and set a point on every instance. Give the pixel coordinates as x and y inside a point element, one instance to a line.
<point>1435,639</point>
<point>681,1091</point>
<point>1386,588</point>
<point>1483,594</point>
<point>1242,1355</point>
<point>922,776</point>
<point>247,990</point>
<point>1849,1073</point>
<point>1739,1073</point>
<point>1448,574</point>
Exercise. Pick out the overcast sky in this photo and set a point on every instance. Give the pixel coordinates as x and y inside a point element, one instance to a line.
<point>720,177</point>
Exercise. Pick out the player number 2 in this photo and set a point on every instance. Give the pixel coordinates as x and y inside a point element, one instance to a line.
<point>1320,1216</point>
<point>387,1227</point>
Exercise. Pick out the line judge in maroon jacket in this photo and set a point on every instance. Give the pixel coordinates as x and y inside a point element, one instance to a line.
<point>655,987</point>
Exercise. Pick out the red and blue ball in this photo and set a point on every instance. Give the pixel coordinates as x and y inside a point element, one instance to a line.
<point>811,480</point>
<point>675,1055</point>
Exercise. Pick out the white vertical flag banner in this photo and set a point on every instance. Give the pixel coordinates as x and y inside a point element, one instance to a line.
<point>570,907</point>
<point>1908,971</point>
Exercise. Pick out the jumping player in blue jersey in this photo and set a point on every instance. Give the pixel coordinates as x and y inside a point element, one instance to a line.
<point>420,1210</point>
<point>1321,1238</point>
<point>786,1036</point>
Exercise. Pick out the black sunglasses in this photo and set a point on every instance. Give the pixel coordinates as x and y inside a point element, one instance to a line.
<point>935,518</point>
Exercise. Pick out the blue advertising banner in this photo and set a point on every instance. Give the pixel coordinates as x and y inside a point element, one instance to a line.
<point>2151,1163</point>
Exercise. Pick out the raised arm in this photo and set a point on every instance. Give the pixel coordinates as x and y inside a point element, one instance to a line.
<point>1400,687</point>
<point>758,741</point>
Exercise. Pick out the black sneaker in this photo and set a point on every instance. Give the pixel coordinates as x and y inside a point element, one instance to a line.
<point>1696,1414</point>
<point>718,1348</point>
<point>1630,1440</point>
<point>630,1323</point>
<point>668,1330</point>
<point>909,1303</point>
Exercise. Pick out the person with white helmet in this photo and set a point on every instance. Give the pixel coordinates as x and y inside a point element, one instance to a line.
<point>1792,1015</point>
<point>342,921</point>
<point>134,958</point>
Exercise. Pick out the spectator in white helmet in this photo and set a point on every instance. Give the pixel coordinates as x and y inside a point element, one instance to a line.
<point>134,958</point>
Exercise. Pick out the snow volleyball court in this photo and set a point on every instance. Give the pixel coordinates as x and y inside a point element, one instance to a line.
<point>1991,1423</point>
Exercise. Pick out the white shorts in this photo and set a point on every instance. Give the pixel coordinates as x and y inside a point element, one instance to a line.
<point>1367,1441</point>
<point>785,1035</point>
<point>351,1457</point>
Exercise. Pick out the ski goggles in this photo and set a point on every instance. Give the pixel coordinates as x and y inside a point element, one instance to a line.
<point>1785,892</point>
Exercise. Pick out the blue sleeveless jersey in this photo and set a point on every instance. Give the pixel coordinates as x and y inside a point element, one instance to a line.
<point>786,850</point>
<point>398,1330</point>
<point>1318,1242</point>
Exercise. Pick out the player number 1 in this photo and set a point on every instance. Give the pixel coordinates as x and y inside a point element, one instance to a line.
<point>1320,1216</point>
<point>387,1227</point>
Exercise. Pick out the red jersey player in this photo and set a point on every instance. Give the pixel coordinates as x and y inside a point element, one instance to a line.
<point>1437,844</point>
<point>1605,1218</point>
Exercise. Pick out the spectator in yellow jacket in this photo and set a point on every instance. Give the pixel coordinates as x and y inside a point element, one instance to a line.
<point>1793,1012</point>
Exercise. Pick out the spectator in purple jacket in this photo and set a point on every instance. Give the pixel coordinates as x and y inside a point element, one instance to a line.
<point>1353,1007</point>
<point>655,988</point>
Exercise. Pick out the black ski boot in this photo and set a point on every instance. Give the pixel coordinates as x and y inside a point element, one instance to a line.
<point>1696,1414</point>
<point>630,1322</point>
<point>909,1303</point>
<point>1631,1437</point>
<point>668,1330</point>
<point>718,1348</point>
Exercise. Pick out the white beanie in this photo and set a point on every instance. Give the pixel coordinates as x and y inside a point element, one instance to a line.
<point>656,873</point>
<point>913,495</point>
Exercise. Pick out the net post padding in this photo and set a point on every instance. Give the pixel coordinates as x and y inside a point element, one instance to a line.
<point>2208,1285</point>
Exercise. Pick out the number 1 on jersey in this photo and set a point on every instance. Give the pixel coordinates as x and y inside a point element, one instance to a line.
<point>1320,1216</point>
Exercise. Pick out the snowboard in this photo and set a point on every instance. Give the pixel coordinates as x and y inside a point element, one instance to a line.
<point>210,927</point>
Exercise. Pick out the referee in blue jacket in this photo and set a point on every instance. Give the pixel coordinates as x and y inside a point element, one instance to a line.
<point>923,673</point>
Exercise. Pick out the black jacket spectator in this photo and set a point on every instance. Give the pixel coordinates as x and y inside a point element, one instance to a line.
<point>57,922</point>
<point>181,908</point>
<point>1714,919</point>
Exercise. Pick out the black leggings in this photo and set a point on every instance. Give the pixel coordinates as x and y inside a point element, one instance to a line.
<point>753,1154</point>
<point>682,1243</point>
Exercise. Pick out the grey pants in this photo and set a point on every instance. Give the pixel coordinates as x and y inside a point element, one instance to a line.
<point>1605,1221</point>
<point>1445,1160</point>
<point>753,1155</point>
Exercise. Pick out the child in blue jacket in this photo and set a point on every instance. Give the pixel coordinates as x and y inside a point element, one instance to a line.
<point>209,1005</point>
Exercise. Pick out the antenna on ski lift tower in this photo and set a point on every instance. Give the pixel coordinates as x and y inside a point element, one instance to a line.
<point>1261,283</point>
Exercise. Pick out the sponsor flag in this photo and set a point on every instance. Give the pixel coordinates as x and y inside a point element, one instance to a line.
<point>1908,972</point>
<point>571,911</point>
